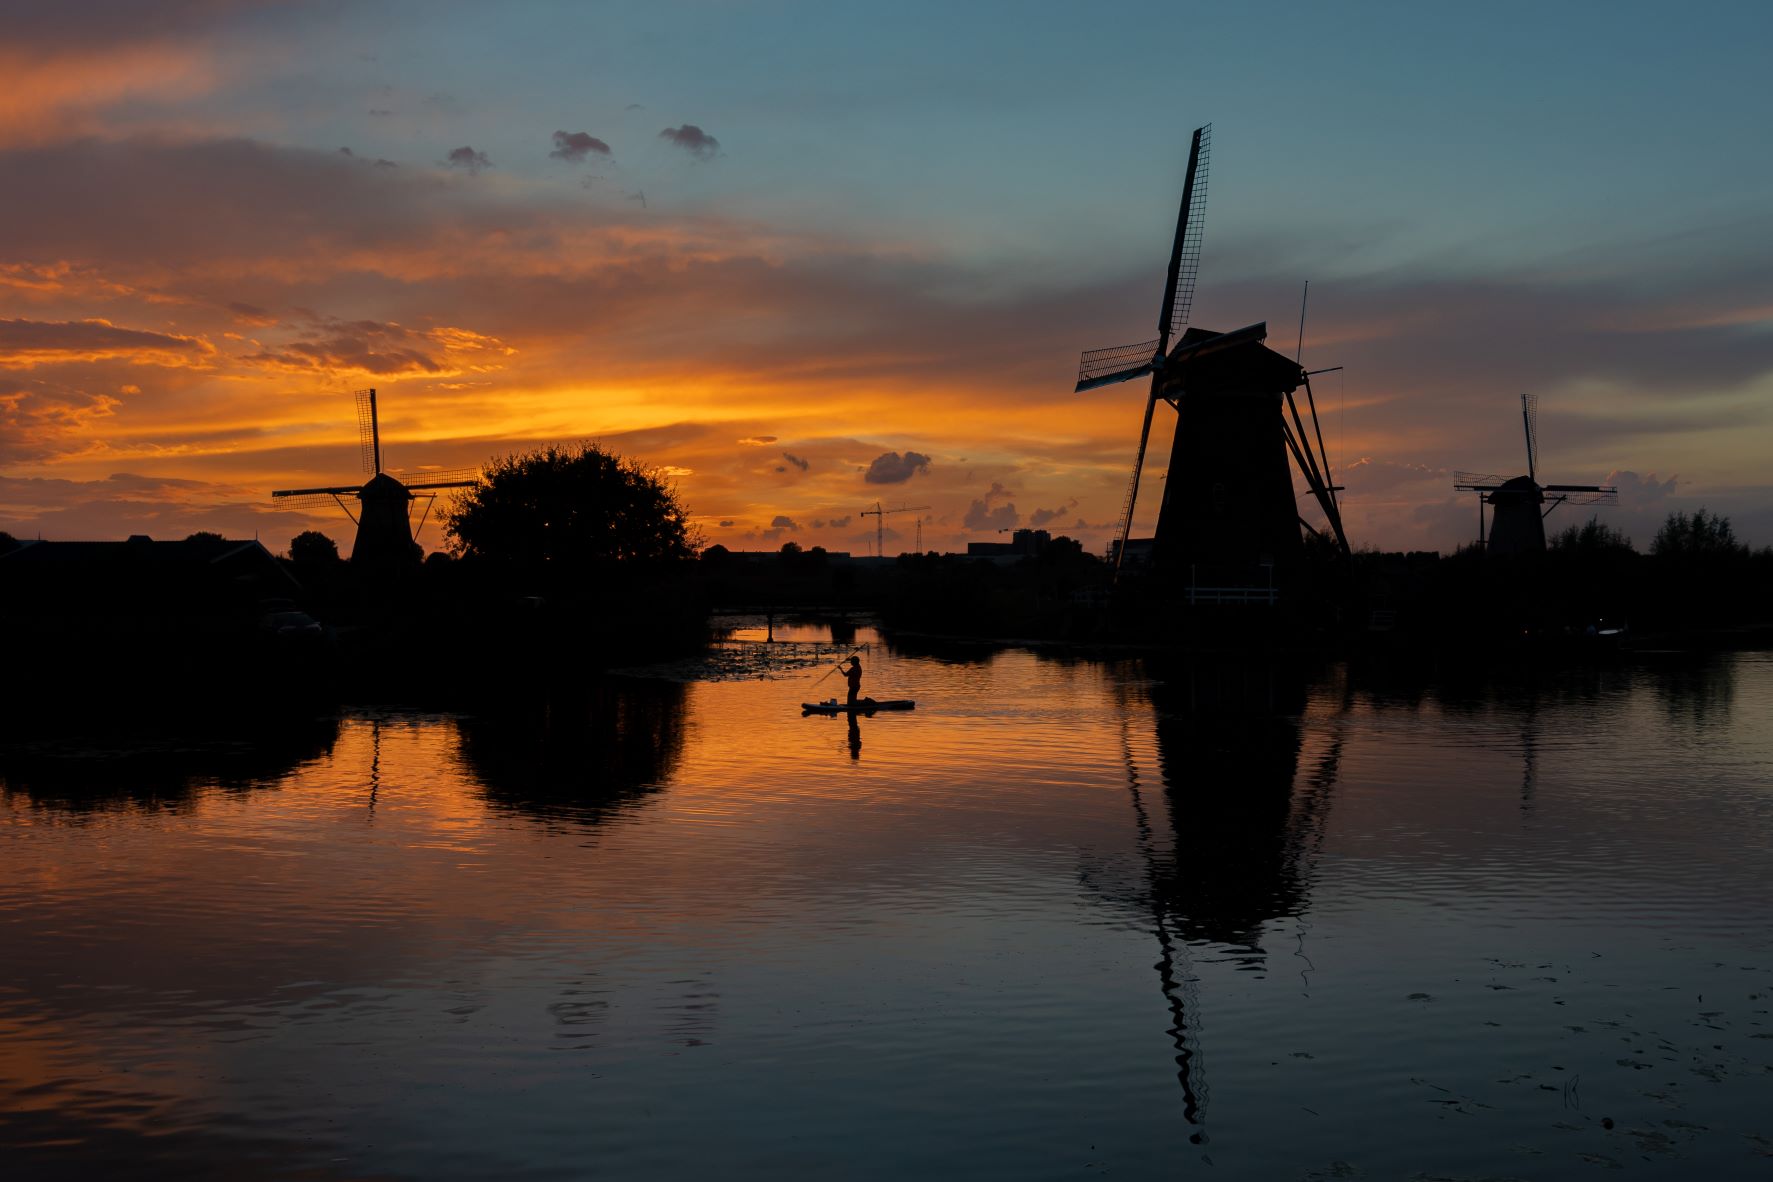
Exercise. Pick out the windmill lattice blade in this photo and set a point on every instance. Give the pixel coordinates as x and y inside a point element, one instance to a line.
<point>305,500</point>
<point>1099,367</point>
<point>1188,259</point>
<point>427,478</point>
<point>366,431</point>
<point>1530,418</point>
<point>1585,494</point>
<point>1476,478</point>
<point>433,485</point>
<point>336,490</point>
<point>1125,529</point>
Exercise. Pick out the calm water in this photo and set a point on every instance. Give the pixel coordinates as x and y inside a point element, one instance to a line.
<point>1068,919</point>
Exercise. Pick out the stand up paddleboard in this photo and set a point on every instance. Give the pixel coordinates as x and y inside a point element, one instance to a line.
<point>864,706</point>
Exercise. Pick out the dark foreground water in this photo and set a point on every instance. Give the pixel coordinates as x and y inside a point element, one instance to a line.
<point>1066,920</point>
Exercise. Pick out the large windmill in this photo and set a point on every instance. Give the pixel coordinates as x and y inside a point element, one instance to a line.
<point>1228,506</point>
<point>384,511</point>
<point>1519,506</point>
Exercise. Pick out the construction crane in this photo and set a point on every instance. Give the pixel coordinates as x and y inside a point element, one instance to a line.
<point>880,515</point>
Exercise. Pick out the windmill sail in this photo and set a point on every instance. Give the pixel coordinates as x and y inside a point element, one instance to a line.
<point>440,478</point>
<point>369,432</point>
<point>1583,494</point>
<point>311,498</point>
<point>1530,420</point>
<point>1191,220</point>
<point>1104,367</point>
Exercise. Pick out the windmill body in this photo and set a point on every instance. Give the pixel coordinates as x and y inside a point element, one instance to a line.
<point>384,523</point>
<point>1229,514</point>
<point>1228,505</point>
<point>1517,522</point>
<point>384,503</point>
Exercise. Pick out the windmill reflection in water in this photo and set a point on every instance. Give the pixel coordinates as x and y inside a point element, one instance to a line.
<point>1230,851</point>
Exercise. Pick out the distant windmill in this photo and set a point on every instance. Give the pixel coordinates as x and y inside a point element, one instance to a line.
<point>1517,522</point>
<point>384,514</point>
<point>880,515</point>
<point>1228,504</point>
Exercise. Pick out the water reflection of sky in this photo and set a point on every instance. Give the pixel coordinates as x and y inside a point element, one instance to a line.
<point>1410,926</point>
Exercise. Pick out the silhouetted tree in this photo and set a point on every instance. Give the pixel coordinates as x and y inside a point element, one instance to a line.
<point>205,535</point>
<point>564,505</point>
<point>1701,535</point>
<point>8,543</point>
<point>312,548</point>
<point>1591,537</point>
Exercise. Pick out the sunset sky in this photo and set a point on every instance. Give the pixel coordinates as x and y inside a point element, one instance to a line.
<point>803,257</point>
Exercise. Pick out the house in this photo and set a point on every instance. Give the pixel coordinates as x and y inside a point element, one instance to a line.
<point>141,583</point>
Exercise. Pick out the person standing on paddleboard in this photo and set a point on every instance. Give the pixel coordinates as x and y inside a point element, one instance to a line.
<point>854,676</point>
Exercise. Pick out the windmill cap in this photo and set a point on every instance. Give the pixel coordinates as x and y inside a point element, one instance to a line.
<point>384,485</point>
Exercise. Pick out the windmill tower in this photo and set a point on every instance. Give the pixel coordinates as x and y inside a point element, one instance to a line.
<point>384,504</point>
<point>1228,507</point>
<point>1519,506</point>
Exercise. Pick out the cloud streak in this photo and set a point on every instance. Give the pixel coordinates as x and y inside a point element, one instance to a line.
<point>28,344</point>
<point>373,348</point>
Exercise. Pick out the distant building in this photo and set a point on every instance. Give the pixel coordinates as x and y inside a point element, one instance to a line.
<point>1138,550</point>
<point>718,553</point>
<point>1024,543</point>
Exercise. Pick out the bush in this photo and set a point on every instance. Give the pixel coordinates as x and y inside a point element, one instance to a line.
<point>312,548</point>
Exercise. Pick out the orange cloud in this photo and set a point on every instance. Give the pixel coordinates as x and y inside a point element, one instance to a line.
<point>27,344</point>
<point>62,94</point>
<point>372,348</point>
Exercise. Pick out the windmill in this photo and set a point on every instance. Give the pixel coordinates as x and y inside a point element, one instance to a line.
<point>1517,521</point>
<point>880,515</point>
<point>384,513</point>
<point>1228,505</point>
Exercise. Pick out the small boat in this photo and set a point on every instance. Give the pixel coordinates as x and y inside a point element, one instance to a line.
<point>863,706</point>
